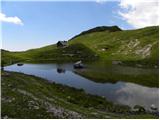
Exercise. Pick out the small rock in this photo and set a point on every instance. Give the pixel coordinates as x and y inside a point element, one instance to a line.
<point>138,65</point>
<point>155,66</point>
<point>153,107</point>
<point>116,62</point>
<point>36,107</point>
<point>5,117</point>
<point>9,85</point>
<point>68,97</point>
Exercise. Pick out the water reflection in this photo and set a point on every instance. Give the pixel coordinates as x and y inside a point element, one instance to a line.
<point>132,94</point>
<point>61,70</point>
<point>121,92</point>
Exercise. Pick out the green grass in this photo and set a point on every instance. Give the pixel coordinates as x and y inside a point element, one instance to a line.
<point>73,53</point>
<point>105,46</point>
<point>128,46</point>
<point>117,43</point>
<point>25,96</point>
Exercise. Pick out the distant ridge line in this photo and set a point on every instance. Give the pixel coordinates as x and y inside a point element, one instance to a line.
<point>99,29</point>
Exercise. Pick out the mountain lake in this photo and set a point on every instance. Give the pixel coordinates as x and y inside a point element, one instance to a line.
<point>125,93</point>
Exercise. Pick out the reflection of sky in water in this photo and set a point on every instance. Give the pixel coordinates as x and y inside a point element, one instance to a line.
<point>121,92</point>
<point>131,94</point>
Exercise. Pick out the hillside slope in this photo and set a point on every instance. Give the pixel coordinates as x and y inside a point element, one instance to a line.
<point>129,45</point>
<point>104,44</point>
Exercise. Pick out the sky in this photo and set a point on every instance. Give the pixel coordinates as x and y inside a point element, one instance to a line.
<point>32,24</point>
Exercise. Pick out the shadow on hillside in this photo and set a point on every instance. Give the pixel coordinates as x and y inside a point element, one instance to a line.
<point>71,53</point>
<point>79,51</point>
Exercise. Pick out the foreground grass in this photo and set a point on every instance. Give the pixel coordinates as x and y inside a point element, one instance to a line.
<point>25,96</point>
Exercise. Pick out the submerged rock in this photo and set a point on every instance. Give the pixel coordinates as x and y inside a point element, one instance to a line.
<point>116,62</point>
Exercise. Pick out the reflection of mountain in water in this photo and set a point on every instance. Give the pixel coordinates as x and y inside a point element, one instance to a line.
<point>120,93</point>
<point>61,70</point>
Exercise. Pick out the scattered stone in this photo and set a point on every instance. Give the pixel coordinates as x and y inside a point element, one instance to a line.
<point>116,62</point>
<point>27,94</point>
<point>103,97</point>
<point>9,85</point>
<point>138,65</point>
<point>103,49</point>
<point>145,51</point>
<point>33,104</point>
<point>62,113</point>
<point>155,66</point>
<point>138,108</point>
<point>94,113</point>
<point>7,99</point>
<point>133,43</point>
<point>36,107</point>
<point>5,74</point>
<point>95,55</point>
<point>153,107</point>
<point>5,117</point>
<point>68,97</point>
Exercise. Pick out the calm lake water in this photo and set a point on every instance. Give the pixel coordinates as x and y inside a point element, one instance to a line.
<point>121,92</point>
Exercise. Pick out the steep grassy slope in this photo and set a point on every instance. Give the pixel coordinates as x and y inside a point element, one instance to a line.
<point>129,45</point>
<point>101,43</point>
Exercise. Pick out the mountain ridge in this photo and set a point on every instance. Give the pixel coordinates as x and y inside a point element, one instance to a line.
<point>125,45</point>
<point>99,29</point>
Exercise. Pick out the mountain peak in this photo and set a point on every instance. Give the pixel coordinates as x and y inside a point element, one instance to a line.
<point>100,29</point>
<point>103,28</point>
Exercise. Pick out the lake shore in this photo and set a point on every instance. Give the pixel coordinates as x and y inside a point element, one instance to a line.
<point>27,96</point>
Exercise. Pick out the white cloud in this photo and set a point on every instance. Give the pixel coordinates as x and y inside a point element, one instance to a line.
<point>14,20</point>
<point>99,1</point>
<point>139,13</point>
<point>102,1</point>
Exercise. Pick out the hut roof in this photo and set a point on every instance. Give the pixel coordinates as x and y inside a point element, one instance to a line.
<point>62,42</point>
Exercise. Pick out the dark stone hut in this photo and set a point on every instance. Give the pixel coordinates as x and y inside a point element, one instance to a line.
<point>61,43</point>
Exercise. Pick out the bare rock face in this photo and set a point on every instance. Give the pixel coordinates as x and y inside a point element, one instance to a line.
<point>145,51</point>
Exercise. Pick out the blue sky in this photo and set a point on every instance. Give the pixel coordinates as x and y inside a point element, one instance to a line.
<point>46,23</point>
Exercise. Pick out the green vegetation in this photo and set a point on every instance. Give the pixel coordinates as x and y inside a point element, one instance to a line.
<point>8,58</point>
<point>51,53</point>
<point>99,29</point>
<point>127,46</point>
<point>101,43</point>
<point>25,96</point>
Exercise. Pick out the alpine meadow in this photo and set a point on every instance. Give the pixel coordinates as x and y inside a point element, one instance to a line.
<point>80,59</point>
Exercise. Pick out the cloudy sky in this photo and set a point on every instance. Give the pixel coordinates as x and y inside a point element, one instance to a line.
<point>31,24</point>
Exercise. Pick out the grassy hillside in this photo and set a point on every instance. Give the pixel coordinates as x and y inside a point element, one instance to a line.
<point>25,96</point>
<point>8,57</point>
<point>129,45</point>
<point>101,43</point>
<point>99,29</point>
